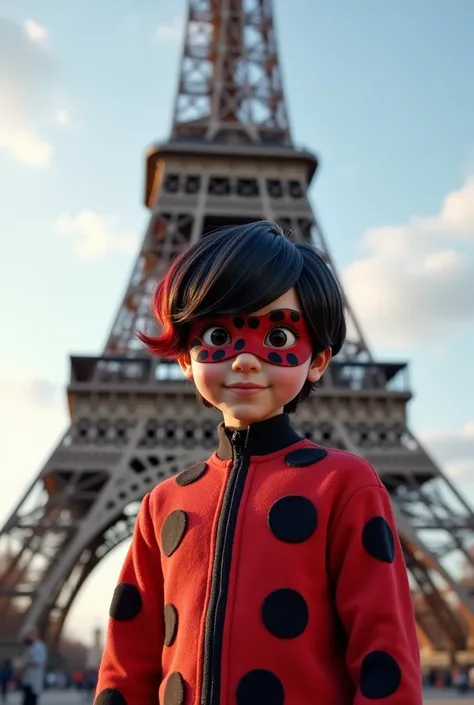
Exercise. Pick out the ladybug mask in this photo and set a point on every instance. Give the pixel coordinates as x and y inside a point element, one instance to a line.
<point>279,337</point>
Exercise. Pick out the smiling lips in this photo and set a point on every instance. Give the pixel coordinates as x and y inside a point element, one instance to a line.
<point>245,387</point>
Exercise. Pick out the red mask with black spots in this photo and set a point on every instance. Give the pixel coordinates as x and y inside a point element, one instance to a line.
<point>279,337</point>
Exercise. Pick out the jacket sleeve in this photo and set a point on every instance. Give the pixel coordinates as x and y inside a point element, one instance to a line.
<point>373,601</point>
<point>130,671</point>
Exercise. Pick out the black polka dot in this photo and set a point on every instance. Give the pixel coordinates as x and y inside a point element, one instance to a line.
<point>295,316</point>
<point>218,355</point>
<point>260,687</point>
<point>203,355</point>
<point>293,519</point>
<point>378,541</point>
<point>292,359</point>
<point>174,690</point>
<point>239,344</point>
<point>196,343</point>
<point>253,322</point>
<point>285,613</point>
<point>173,531</point>
<point>380,675</point>
<point>274,357</point>
<point>126,602</point>
<point>239,322</point>
<point>110,696</point>
<point>301,457</point>
<point>277,316</point>
<point>171,624</point>
<point>186,477</point>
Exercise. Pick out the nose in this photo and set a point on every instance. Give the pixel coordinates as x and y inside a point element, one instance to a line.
<point>246,362</point>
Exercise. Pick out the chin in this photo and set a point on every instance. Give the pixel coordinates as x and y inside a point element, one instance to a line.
<point>246,416</point>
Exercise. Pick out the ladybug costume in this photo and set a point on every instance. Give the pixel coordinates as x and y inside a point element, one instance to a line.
<point>272,574</point>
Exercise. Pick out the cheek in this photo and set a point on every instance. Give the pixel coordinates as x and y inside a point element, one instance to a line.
<point>289,380</point>
<point>208,376</point>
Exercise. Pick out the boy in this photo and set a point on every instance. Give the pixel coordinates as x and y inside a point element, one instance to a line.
<point>272,573</point>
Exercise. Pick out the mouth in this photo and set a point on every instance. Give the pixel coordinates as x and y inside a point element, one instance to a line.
<point>245,388</point>
<point>245,385</point>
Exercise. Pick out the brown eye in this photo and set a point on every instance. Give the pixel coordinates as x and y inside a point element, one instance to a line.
<point>280,338</point>
<point>216,336</point>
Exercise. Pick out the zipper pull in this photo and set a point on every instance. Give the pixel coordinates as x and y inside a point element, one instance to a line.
<point>237,443</point>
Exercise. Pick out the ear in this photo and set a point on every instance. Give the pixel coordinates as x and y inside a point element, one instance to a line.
<point>184,361</point>
<point>319,365</point>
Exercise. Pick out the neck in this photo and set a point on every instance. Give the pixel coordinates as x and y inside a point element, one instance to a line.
<point>239,425</point>
<point>262,437</point>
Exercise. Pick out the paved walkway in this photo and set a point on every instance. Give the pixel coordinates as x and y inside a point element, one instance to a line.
<point>71,697</point>
<point>447,697</point>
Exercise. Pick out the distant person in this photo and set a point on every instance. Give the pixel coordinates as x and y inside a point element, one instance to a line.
<point>90,683</point>
<point>470,675</point>
<point>463,682</point>
<point>32,669</point>
<point>6,674</point>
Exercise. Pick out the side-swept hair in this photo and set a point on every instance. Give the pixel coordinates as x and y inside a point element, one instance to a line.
<point>241,269</point>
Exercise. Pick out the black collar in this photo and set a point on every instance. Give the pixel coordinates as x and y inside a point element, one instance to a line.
<point>259,438</point>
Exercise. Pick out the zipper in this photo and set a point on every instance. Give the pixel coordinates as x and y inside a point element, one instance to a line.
<point>211,681</point>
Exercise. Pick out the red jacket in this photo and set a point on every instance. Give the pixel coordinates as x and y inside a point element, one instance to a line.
<point>272,574</point>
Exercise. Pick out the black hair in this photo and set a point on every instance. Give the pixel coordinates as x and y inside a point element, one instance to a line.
<point>241,269</point>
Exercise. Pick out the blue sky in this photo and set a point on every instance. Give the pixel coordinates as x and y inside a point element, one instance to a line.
<point>381,91</point>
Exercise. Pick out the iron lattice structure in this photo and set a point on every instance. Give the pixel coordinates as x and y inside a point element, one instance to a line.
<point>134,421</point>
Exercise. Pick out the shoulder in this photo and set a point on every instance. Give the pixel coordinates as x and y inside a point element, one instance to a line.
<point>353,469</point>
<point>349,465</point>
<point>350,482</point>
<point>346,473</point>
<point>336,472</point>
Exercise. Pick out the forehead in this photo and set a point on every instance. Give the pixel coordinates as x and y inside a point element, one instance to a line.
<point>287,300</point>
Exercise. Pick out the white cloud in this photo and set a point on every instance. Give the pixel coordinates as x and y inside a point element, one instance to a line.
<point>452,445</point>
<point>26,147</point>
<point>22,387</point>
<point>94,235</point>
<point>28,74</point>
<point>36,32</point>
<point>170,31</point>
<point>62,117</point>
<point>418,278</point>
<point>461,470</point>
<point>455,449</point>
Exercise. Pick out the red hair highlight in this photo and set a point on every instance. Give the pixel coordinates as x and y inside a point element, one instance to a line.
<point>167,344</point>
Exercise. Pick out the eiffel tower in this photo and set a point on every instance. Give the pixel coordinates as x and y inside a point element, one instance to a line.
<point>134,421</point>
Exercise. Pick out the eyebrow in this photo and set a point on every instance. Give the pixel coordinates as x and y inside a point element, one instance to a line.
<point>277,308</point>
<point>214,316</point>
